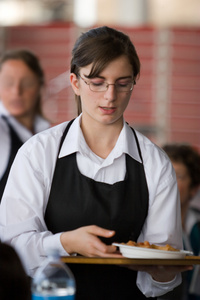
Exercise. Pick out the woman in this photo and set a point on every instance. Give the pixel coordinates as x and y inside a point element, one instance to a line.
<point>186,162</point>
<point>93,181</point>
<point>21,84</point>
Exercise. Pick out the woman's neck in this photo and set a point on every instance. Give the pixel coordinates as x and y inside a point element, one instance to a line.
<point>27,121</point>
<point>101,138</point>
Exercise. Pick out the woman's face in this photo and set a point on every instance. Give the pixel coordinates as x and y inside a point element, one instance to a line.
<point>19,88</point>
<point>105,107</point>
<point>184,182</point>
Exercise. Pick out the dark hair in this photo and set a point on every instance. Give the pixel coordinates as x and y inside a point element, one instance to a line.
<point>32,62</point>
<point>188,156</point>
<point>100,46</point>
<point>14,283</point>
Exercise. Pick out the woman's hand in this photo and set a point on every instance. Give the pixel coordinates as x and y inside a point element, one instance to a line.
<point>85,241</point>
<point>159,273</point>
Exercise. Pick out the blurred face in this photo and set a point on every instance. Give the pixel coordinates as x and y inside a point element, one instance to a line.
<point>19,88</point>
<point>105,107</point>
<point>184,182</point>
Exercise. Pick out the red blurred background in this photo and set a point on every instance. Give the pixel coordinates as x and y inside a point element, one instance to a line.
<point>165,103</point>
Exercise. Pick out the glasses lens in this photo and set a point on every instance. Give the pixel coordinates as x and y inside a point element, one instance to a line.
<point>125,87</point>
<point>98,87</point>
<point>103,86</point>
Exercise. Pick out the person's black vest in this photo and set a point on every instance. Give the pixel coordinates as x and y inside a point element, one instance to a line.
<point>76,200</point>
<point>16,143</point>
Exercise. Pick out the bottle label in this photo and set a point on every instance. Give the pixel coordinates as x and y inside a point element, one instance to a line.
<point>36,297</point>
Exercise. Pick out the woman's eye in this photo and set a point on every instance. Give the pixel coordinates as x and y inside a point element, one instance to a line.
<point>123,83</point>
<point>28,83</point>
<point>97,83</point>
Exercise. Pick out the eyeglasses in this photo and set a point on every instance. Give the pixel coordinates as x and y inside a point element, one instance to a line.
<point>102,86</point>
<point>24,84</point>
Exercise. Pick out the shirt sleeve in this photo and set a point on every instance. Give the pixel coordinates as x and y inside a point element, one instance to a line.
<point>24,203</point>
<point>153,288</point>
<point>163,223</point>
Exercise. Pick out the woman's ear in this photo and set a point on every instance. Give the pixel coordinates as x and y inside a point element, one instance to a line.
<point>74,83</point>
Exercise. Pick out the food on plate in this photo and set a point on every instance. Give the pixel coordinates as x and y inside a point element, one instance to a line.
<point>146,244</point>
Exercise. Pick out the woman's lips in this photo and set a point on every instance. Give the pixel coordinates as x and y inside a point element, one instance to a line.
<point>108,110</point>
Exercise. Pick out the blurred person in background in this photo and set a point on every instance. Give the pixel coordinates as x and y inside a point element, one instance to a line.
<point>186,162</point>
<point>14,283</point>
<point>21,85</point>
<point>195,202</point>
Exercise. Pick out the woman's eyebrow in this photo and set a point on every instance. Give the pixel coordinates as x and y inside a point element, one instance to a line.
<point>102,77</point>
<point>125,77</point>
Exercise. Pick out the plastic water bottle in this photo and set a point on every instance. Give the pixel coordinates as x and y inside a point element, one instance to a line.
<point>53,280</point>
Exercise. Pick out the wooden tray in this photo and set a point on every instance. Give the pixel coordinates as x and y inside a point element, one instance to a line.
<point>188,260</point>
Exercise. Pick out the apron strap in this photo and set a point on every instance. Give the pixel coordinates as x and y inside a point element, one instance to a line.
<point>138,146</point>
<point>64,134</point>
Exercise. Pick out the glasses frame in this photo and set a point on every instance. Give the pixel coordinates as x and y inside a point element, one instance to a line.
<point>107,85</point>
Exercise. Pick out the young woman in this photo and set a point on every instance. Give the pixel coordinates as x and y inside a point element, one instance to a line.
<point>21,84</point>
<point>93,181</point>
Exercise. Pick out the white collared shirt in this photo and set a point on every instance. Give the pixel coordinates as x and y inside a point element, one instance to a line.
<point>24,134</point>
<point>26,195</point>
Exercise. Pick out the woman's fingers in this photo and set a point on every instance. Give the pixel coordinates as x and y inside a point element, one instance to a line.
<point>99,231</point>
<point>161,273</point>
<point>85,241</point>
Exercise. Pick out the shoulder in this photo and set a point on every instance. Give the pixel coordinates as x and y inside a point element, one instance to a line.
<point>40,152</point>
<point>4,129</point>
<point>159,171</point>
<point>151,151</point>
<point>41,123</point>
<point>3,124</point>
<point>45,139</point>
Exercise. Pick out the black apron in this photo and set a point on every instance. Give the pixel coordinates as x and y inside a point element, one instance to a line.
<point>16,143</point>
<point>76,200</point>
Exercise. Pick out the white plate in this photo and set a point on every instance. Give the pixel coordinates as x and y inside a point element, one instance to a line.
<point>140,252</point>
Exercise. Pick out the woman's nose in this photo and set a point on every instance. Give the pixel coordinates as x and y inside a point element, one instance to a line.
<point>110,93</point>
<point>17,89</point>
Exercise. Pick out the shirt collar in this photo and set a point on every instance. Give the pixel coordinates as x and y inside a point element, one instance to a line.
<point>71,141</point>
<point>75,142</point>
<point>126,143</point>
<point>3,110</point>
